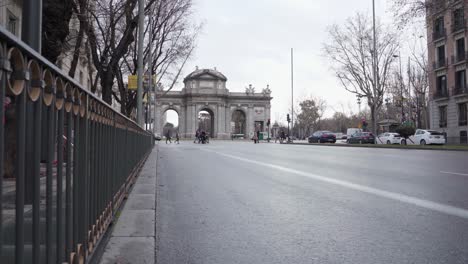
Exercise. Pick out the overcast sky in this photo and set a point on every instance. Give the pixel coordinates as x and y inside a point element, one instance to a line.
<point>249,41</point>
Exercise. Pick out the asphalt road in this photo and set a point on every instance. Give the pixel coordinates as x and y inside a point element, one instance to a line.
<point>236,202</point>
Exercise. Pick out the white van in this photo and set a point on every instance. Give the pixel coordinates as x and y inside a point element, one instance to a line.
<point>352,131</point>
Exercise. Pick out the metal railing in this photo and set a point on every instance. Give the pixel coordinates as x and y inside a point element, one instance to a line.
<point>458,25</point>
<point>440,94</point>
<point>460,57</point>
<point>459,90</point>
<point>439,64</point>
<point>67,160</point>
<point>438,34</point>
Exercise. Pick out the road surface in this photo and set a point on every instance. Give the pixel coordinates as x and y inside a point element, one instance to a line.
<point>237,202</point>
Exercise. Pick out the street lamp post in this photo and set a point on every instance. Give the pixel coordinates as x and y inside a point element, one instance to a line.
<point>141,36</point>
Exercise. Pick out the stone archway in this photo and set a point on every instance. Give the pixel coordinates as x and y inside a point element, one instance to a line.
<point>238,122</point>
<point>161,110</point>
<point>170,122</point>
<point>206,121</point>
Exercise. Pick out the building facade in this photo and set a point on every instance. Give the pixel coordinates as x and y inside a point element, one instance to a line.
<point>205,94</point>
<point>448,59</point>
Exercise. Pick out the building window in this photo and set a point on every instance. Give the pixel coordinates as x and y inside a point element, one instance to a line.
<point>441,86</point>
<point>441,56</point>
<point>443,116</point>
<point>12,23</point>
<point>462,114</point>
<point>439,30</point>
<point>460,49</point>
<point>458,19</point>
<point>460,80</point>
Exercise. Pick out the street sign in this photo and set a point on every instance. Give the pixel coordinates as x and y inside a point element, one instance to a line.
<point>132,82</point>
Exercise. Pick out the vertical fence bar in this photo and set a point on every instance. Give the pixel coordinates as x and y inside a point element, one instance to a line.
<point>49,182</point>
<point>91,175</point>
<point>20,161</point>
<point>76,175</point>
<point>2,148</point>
<point>85,174</point>
<point>68,190</point>
<point>37,179</point>
<point>60,243</point>
<point>81,179</point>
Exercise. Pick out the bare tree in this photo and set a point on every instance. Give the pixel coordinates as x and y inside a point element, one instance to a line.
<point>310,114</point>
<point>171,40</point>
<point>350,50</point>
<point>406,12</point>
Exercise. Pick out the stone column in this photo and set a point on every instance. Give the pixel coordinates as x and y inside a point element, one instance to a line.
<point>182,127</point>
<point>158,119</point>
<point>222,121</point>
<point>250,120</point>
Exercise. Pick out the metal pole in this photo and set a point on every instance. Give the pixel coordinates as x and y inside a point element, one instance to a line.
<point>32,23</point>
<point>410,103</point>
<point>292,91</point>
<point>150,69</point>
<point>376,77</point>
<point>141,36</point>
<point>401,90</point>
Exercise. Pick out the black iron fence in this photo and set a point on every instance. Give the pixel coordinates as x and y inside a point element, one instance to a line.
<point>67,160</point>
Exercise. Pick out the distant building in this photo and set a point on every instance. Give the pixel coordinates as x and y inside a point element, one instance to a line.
<point>206,104</point>
<point>448,59</point>
<point>10,15</point>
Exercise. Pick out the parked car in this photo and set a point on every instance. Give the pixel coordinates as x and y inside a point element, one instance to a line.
<point>389,138</point>
<point>322,137</point>
<point>338,135</point>
<point>157,137</point>
<point>361,138</point>
<point>425,137</point>
<point>352,131</point>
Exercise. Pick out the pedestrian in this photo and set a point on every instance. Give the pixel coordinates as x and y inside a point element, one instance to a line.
<point>197,135</point>
<point>177,137</point>
<point>168,137</point>
<point>255,138</point>
<point>258,136</point>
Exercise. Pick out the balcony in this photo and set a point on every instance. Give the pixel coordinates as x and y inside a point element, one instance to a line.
<point>459,25</point>
<point>440,94</point>
<point>460,91</point>
<point>440,64</point>
<point>460,57</point>
<point>439,34</point>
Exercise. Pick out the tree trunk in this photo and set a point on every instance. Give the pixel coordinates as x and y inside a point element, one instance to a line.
<point>373,119</point>
<point>56,16</point>
<point>76,52</point>
<point>107,80</point>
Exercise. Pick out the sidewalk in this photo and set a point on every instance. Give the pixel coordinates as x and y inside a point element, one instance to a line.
<point>133,238</point>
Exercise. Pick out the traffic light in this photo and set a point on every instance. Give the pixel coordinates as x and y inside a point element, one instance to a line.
<point>268,122</point>
<point>288,118</point>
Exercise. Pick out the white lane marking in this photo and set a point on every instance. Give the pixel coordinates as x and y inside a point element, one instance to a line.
<point>434,206</point>
<point>454,173</point>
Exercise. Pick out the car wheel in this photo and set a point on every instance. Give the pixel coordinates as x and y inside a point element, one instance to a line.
<point>423,142</point>
<point>388,142</point>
